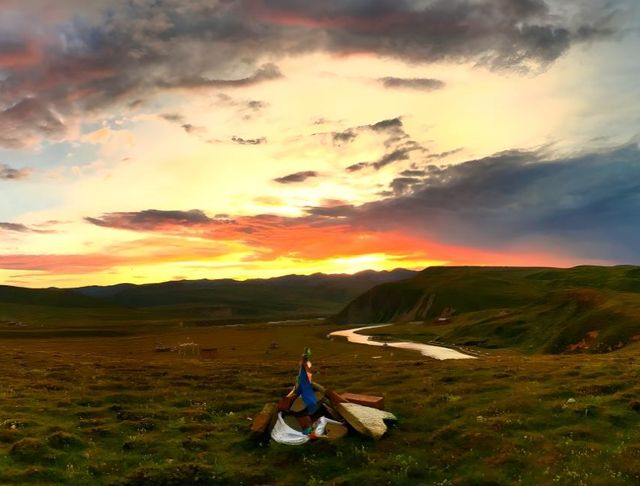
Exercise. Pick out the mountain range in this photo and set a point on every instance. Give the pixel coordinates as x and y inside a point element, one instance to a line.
<point>290,296</point>
<point>534,309</point>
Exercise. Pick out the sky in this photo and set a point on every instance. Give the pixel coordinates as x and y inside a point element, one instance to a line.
<point>153,140</point>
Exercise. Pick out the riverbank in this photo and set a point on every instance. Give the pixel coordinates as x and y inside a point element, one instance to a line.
<point>428,350</point>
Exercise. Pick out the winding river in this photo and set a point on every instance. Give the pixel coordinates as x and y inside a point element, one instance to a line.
<point>436,352</point>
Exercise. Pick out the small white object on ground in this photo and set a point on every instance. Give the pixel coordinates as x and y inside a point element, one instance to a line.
<point>283,434</point>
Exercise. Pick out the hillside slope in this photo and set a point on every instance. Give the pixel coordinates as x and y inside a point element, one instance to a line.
<point>585,308</point>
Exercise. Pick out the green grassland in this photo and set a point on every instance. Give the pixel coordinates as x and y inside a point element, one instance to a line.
<point>533,310</point>
<point>108,410</point>
<point>554,397</point>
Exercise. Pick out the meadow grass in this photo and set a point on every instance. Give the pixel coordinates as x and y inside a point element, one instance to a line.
<point>108,410</point>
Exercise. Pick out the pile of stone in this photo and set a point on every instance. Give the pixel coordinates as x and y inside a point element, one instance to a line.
<point>337,414</point>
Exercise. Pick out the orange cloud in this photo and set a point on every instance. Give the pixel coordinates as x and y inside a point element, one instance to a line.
<point>311,238</point>
<point>190,243</point>
<point>154,251</point>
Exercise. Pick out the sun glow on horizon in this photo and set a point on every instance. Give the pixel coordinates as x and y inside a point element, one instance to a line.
<point>331,140</point>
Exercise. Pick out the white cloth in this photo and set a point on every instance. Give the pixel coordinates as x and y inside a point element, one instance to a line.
<point>283,434</point>
<point>321,424</point>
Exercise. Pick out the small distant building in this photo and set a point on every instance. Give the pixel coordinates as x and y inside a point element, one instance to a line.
<point>445,316</point>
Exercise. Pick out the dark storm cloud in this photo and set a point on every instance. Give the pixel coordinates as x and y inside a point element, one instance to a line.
<point>92,60</point>
<point>10,174</point>
<point>590,203</point>
<point>150,219</point>
<point>84,56</point>
<point>297,177</point>
<point>424,84</point>
<point>498,33</point>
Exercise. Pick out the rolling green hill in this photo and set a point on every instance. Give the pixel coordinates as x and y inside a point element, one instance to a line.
<point>585,308</point>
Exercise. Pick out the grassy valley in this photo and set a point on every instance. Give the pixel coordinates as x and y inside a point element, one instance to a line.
<point>88,400</point>
<point>111,411</point>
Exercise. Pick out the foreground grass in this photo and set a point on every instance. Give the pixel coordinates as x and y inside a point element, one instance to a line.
<point>110,411</point>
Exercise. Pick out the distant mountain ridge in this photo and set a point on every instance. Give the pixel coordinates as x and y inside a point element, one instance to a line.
<point>286,296</point>
<point>547,309</point>
<point>51,297</point>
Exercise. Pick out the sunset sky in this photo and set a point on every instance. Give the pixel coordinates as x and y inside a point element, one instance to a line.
<point>152,140</point>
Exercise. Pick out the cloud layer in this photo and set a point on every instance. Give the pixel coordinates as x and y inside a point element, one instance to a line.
<point>85,56</point>
<point>211,105</point>
<point>151,219</point>
<point>583,207</point>
<point>586,204</point>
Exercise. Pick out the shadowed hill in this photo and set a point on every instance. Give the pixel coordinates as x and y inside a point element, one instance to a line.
<point>127,307</point>
<point>463,288</point>
<point>585,308</point>
<point>317,294</point>
<point>51,297</point>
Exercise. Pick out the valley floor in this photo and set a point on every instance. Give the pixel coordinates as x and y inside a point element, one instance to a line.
<point>110,410</point>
